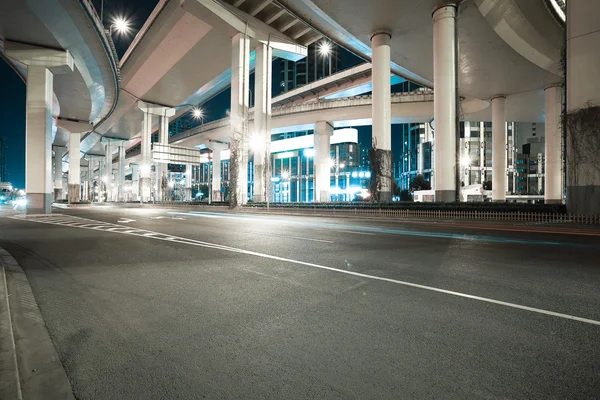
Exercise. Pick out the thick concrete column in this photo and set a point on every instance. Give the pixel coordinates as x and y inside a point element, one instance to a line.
<point>74,167</point>
<point>444,102</point>
<point>583,107</point>
<point>135,179</point>
<point>322,143</point>
<point>215,189</point>
<point>238,162</point>
<point>59,153</point>
<point>38,132</point>
<point>499,177</point>
<point>161,168</point>
<point>121,175</point>
<point>262,120</point>
<point>108,176</point>
<point>188,182</point>
<point>381,111</point>
<point>146,163</point>
<point>553,142</point>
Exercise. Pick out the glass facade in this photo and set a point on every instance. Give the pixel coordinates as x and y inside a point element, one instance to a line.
<point>313,67</point>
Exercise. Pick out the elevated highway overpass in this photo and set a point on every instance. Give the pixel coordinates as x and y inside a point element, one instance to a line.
<point>62,52</point>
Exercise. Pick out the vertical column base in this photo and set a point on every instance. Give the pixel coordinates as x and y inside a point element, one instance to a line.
<point>324,196</point>
<point>445,196</point>
<point>583,199</point>
<point>145,189</point>
<point>382,176</point>
<point>58,194</point>
<point>259,190</point>
<point>74,193</point>
<point>39,203</point>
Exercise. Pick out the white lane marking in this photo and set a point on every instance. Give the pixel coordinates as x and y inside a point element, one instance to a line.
<point>311,239</point>
<point>193,242</point>
<point>125,220</point>
<point>358,233</point>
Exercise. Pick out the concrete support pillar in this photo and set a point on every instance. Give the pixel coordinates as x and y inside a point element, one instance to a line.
<point>108,176</point>
<point>215,189</point>
<point>161,168</point>
<point>145,180</point>
<point>135,180</point>
<point>262,119</point>
<point>553,142</point>
<point>38,132</point>
<point>583,107</point>
<point>381,111</point>
<point>499,178</point>
<point>121,175</point>
<point>445,96</point>
<point>238,162</point>
<point>188,182</point>
<point>322,143</point>
<point>74,167</point>
<point>59,153</point>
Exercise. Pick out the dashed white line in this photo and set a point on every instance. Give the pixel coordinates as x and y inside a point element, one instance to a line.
<point>358,233</point>
<point>176,239</point>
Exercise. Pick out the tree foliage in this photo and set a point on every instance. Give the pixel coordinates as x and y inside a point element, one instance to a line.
<point>419,183</point>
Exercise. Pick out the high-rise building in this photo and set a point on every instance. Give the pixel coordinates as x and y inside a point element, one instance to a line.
<point>3,160</point>
<point>316,65</point>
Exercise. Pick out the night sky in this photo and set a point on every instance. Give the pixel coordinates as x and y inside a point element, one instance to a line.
<point>12,95</point>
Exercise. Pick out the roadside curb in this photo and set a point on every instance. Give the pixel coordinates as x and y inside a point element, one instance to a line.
<point>35,371</point>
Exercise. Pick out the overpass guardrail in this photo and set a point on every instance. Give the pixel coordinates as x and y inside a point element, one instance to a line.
<point>448,211</point>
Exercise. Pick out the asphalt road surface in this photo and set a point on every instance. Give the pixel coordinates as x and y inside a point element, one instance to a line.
<point>156,304</point>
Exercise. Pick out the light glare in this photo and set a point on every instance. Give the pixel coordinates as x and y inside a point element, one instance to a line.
<point>121,25</point>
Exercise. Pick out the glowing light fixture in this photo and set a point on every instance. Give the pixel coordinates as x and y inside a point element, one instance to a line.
<point>325,48</point>
<point>120,25</point>
<point>197,113</point>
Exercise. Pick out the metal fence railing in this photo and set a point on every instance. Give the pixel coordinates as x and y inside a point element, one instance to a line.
<point>517,216</point>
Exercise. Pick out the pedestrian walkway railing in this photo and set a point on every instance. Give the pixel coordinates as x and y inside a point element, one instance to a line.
<point>519,216</point>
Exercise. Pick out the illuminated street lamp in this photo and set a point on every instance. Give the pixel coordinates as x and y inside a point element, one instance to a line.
<point>119,25</point>
<point>325,48</point>
<point>197,113</point>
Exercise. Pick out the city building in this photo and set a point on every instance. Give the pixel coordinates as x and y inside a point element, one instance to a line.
<point>323,59</point>
<point>292,169</point>
<point>3,160</point>
<point>524,155</point>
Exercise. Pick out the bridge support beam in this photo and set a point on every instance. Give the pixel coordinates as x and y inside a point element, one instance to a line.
<point>161,168</point>
<point>135,180</point>
<point>583,107</point>
<point>215,187</point>
<point>261,140</point>
<point>148,110</point>
<point>238,162</point>
<point>322,138</point>
<point>553,145</point>
<point>499,177</point>
<point>59,153</point>
<point>38,141</point>
<point>74,167</point>
<point>445,99</point>
<point>188,182</point>
<point>108,176</point>
<point>121,173</point>
<point>382,117</point>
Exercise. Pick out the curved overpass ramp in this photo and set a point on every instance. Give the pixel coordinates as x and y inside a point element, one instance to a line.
<point>62,52</point>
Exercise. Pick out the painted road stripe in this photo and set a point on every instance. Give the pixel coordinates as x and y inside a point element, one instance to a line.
<point>358,233</point>
<point>177,239</point>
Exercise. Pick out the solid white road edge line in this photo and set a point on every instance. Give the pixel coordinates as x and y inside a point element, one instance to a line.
<point>182,240</point>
